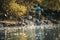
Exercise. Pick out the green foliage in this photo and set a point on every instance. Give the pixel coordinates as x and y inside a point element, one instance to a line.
<point>52,4</point>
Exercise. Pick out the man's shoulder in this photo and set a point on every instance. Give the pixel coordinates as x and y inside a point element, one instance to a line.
<point>38,7</point>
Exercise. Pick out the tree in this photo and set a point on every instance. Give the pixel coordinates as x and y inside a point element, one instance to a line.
<point>52,4</point>
<point>11,6</point>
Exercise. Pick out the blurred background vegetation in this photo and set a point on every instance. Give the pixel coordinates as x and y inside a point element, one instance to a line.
<point>20,7</point>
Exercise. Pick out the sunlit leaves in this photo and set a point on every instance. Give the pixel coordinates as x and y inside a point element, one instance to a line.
<point>53,4</point>
<point>11,6</point>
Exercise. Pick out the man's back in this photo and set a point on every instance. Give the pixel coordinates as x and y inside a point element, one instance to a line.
<point>38,9</point>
